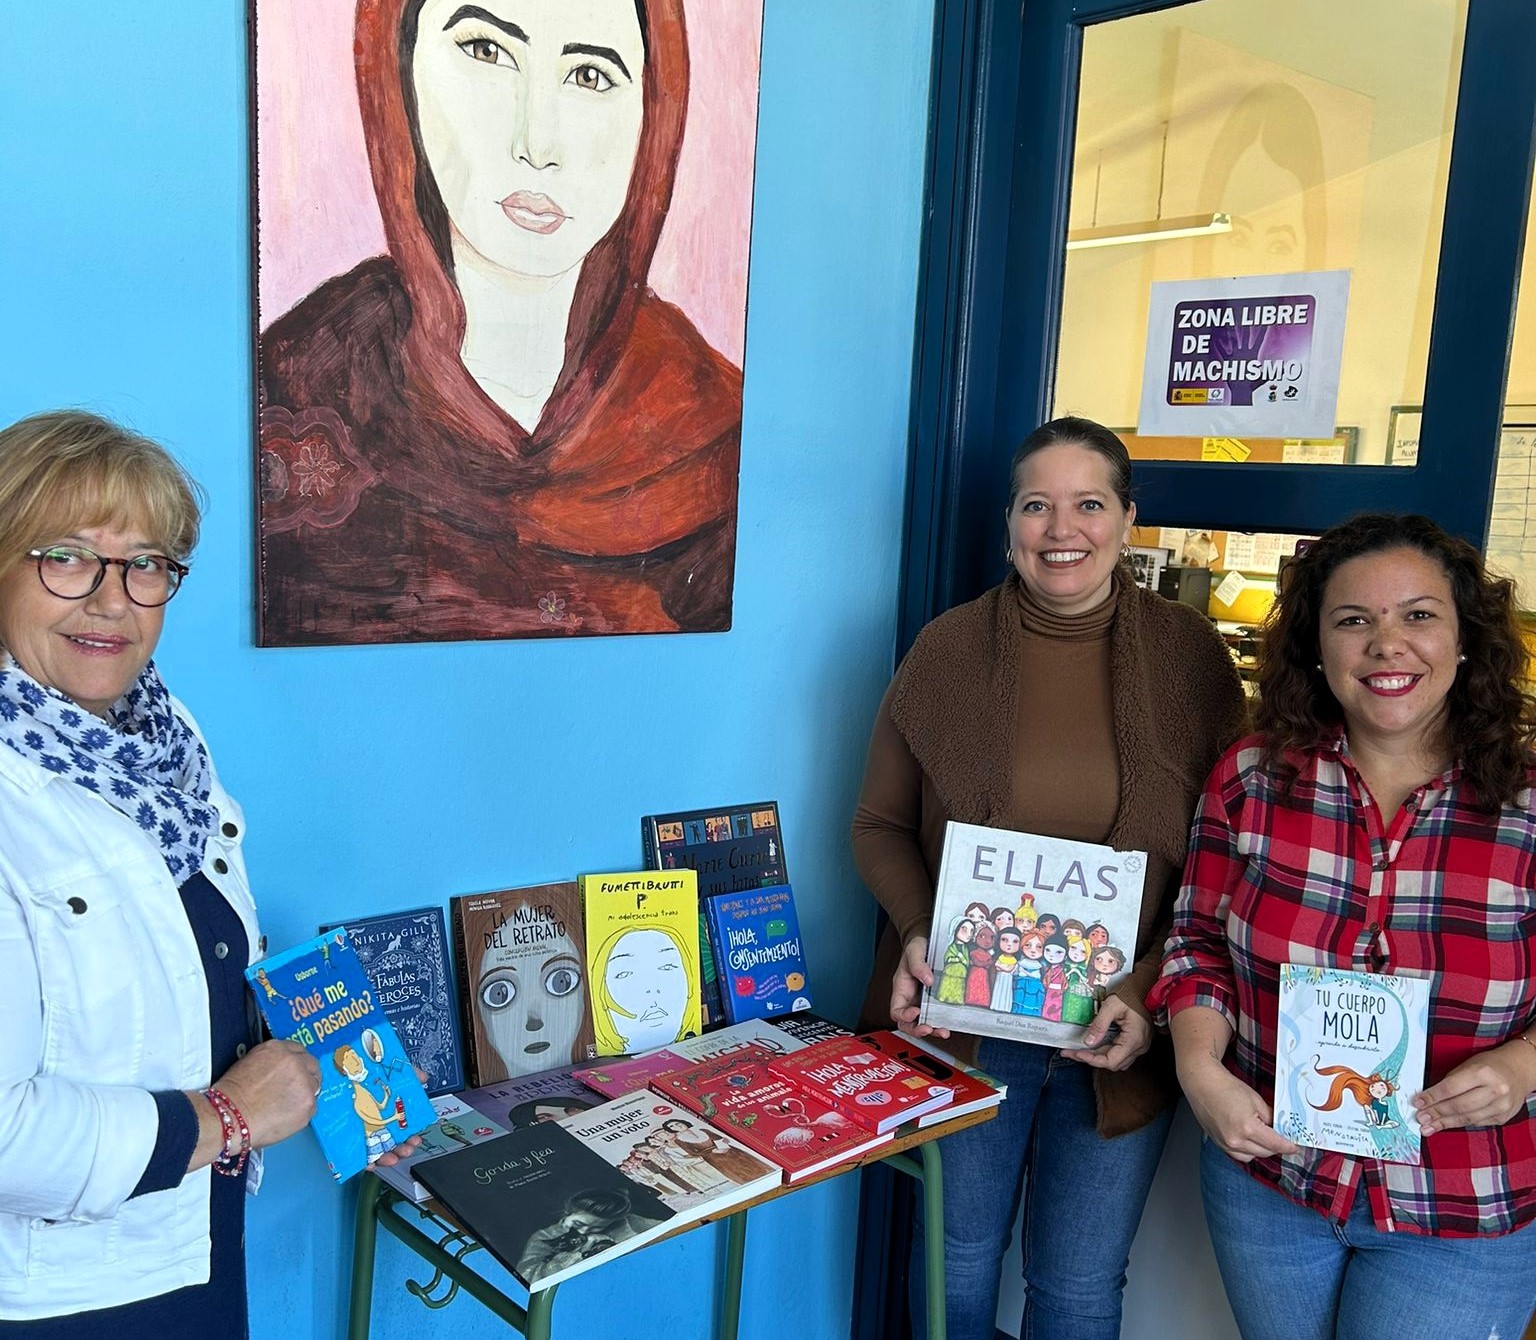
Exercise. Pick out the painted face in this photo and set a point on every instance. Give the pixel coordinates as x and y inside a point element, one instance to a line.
<point>977,912</point>
<point>986,937</point>
<point>1269,233</point>
<point>1077,951</point>
<point>1055,954</point>
<point>965,931</point>
<point>1032,946</point>
<point>1048,925</point>
<point>530,114</point>
<point>1389,638</point>
<point>1098,936</point>
<point>531,1004</point>
<point>1066,527</point>
<point>646,977</point>
<point>1379,1088</point>
<point>1002,918</point>
<point>1008,941</point>
<point>90,650</point>
<point>1105,963</point>
<point>353,1068</point>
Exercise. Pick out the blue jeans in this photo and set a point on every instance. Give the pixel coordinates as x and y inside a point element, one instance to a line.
<point>1291,1274</point>
<point>1083,1197</point>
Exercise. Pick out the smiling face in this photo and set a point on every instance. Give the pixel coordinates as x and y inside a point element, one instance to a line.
<point>1389,638</point>
<point>1066,527</point>
<point>531,1004</point>
<point>90,650</point>
<point>646,979</point>
<point>530,114</point>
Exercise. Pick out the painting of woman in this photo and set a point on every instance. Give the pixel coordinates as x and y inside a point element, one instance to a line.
<point>497,429</point>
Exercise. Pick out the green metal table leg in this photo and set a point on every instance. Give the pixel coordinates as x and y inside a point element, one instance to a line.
<point>364,1240</point>
<point>735,1253</point>
<point>541,1310</point>
<point>933,1228</point>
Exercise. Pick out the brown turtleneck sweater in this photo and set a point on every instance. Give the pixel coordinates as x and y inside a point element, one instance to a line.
<point>1099,727</point>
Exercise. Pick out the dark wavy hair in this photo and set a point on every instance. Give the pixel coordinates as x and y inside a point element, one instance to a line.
<point>1490,717</point>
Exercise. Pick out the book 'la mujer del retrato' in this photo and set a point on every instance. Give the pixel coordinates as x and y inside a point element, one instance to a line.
<point>370,1101</point>
<point>1029,933</point>
<point>1349,1060</point>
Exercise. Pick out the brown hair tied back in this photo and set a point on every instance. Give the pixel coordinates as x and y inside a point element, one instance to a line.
<point>1490,717</point>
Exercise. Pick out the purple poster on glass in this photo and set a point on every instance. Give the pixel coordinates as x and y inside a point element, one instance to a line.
<point>1255,357</point>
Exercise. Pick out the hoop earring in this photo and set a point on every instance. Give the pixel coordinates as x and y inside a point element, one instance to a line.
<point>1008,555</point>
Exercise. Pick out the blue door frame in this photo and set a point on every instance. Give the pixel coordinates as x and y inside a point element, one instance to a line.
<point>1004,88</point>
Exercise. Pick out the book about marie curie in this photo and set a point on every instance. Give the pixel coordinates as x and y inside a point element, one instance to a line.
<point>1349,1060</point>
<point>1029,933</point>
<point>370,1101</point>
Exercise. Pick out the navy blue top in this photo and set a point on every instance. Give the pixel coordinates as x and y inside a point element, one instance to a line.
<point>217,1308</point>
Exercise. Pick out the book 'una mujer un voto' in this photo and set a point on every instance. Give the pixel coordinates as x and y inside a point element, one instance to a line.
<point>370,1101</point>
<point>1349,1059</point>
<point>1029,933</point>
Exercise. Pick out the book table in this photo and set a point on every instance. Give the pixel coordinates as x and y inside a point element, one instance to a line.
<point>429,1230</point>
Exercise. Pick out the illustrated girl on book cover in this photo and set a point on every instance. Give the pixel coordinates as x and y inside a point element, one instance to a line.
<point>978,978</point>
<point>641,988</point>
<point>1008,941</point>
<point>1028,989</point>
<point>957,962</point>
<point>1053,977</point>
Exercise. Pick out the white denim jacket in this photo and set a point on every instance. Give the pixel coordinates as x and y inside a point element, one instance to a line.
<point>102,1002</point>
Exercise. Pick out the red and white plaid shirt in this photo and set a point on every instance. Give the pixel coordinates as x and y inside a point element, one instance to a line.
<point>1310,876</point>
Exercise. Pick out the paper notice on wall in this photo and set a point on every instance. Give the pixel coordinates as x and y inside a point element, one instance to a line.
<point>1232,586</point>
<point>1224,449</point>
<point>1239,358</point>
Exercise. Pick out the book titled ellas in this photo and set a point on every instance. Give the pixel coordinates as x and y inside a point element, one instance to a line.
<point>522,980</point>
<point>370,1101</point>
<point>867,1084</point>
<point>545,1205</point>
<point>1029,933</point>
<point>405,955</point>
<point>741,1094</point>
<point>730,848</point>
<point>759,954</point>
<point>1350,1060</point>
<point>458,1126</point>
<point>642,958</point>
<point>696,1170</point>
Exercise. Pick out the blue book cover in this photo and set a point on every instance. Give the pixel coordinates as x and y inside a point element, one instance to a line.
<point>730,848</point>
<point>759,952</point>
<point>370,1101</point>
<point>405,955</point>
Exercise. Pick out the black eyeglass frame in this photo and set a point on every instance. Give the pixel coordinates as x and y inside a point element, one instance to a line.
<point>180,569</point>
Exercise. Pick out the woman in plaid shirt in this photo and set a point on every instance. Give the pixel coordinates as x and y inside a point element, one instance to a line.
<point>1381,821</point>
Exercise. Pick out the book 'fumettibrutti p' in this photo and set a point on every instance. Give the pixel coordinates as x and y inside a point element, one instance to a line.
<point>370,1101</point>
<point>642,958</point>
<point>1349,1059</point>
<point>1029,933</point>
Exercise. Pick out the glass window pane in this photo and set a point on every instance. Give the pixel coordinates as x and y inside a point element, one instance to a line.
<point>1315,136</point>
<point>1511,544</point>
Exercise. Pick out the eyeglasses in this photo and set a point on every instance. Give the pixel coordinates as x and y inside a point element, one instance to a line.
<point>72,573</point>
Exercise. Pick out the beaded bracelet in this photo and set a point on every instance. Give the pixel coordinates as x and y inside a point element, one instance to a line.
<point>237,1134</point>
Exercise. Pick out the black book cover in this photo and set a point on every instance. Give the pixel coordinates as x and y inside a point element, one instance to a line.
<point>543,1204</point>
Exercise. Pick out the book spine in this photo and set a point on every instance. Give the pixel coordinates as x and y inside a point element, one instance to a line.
<point>648,841</point>
<point>471,1033</point>
<point>723,1005</point>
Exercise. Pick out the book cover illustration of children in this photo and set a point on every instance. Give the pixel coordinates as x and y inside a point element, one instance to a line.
<point>1349,1061</point>
<point>1035,966</point>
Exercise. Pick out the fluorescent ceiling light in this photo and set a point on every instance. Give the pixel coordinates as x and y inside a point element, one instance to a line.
<point>1153,230</point>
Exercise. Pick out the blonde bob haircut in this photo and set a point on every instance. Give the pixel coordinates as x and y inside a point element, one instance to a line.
<point>69,469</point>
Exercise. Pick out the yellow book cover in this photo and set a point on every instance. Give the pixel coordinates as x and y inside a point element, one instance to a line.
<point>642,958</point>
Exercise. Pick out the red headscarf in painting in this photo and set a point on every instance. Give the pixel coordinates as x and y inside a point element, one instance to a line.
<point>637,447</point>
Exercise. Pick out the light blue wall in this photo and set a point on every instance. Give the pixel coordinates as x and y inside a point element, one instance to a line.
<point>379,778</point>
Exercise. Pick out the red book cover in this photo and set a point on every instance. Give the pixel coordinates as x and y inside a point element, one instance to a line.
<point>974,1089</point>
<point>742,1095</point>
<point>866,1083</point>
